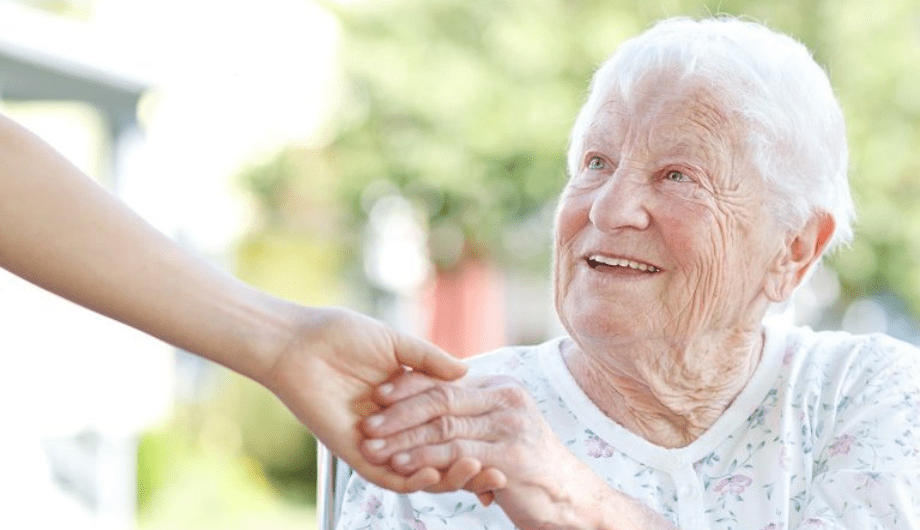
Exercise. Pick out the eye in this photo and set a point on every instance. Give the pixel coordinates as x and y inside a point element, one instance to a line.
<point>596,163</point>
<point>676,176</point>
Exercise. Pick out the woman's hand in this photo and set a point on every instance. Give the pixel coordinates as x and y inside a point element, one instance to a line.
<point>494,421</point>
<point>326,375</point>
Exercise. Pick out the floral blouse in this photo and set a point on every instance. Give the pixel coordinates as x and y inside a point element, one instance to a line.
<point>825,435</point>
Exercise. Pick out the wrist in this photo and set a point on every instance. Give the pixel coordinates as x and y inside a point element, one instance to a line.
<point>244,329</point>
<point>581,501</point>
<point>269,327</point>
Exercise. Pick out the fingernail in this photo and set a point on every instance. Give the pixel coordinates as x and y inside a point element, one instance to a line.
<point>375,421</point>
<point>376,444</point>
<point>385,389</point>
<point>401,459</point>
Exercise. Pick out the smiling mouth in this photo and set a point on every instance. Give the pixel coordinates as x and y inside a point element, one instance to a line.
<point>596,261</point>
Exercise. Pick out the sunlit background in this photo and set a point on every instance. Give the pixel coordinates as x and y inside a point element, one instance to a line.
<point>399,157</point>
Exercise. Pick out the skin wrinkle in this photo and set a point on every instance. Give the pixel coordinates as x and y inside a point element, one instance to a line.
<point>669,373</point>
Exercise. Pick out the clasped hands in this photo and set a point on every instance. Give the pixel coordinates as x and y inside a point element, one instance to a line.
<point>485,435</point>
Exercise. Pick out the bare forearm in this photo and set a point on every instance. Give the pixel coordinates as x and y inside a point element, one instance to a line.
<point>66,234</point>
<point>61,231</point>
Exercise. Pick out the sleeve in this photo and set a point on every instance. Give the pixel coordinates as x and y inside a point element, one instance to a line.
<point>867,469</point>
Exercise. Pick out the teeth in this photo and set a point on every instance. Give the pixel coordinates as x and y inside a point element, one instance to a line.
<point>620,262</point>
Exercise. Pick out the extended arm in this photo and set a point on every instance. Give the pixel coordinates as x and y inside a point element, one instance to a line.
<point>65,233</point>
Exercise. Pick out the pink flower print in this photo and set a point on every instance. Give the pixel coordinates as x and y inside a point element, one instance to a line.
<point>735,484</point>
<point>813,523</point>
<point>598,448</point>
<point>784,458</point>
<point>841,445</point>
<point>372,505</point>
<point>790,353</point>
<point>419,525</point>
<point>513,362</point>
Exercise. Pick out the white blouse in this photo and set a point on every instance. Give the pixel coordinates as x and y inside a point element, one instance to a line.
<point>825,435</point>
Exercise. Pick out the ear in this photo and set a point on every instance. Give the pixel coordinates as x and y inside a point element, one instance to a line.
<point>799,253</point>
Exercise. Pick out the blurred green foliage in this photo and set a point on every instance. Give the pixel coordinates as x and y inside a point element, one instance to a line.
<point>464,108</point>
<point>231,457</point>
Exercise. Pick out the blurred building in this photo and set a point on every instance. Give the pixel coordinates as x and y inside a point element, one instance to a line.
<point>77,388</point>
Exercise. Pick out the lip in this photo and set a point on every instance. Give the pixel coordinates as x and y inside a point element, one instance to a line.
<point>595,260</point>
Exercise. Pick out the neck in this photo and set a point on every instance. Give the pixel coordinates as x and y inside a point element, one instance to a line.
<point>665,394</point>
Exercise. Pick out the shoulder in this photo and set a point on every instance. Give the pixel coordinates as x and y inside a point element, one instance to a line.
<point>847,356</point>
<point>837,374</point>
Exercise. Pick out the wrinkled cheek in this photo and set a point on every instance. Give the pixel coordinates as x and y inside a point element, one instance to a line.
<point>696,298</point>
<point>701,248</point>
<point>681,305</point>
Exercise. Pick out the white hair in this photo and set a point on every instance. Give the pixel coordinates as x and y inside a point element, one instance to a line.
<point>796,134</point>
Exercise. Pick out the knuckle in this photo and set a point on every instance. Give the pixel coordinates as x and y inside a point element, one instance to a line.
<point>448,427</point>
<point>513,396</point>
<point>420,436</point>
<point>444,396</point>
<point>513,423</point>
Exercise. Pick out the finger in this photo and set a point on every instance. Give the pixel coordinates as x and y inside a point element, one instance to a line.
<point>439,456</point>
<point>385,477</point>
<point>410,383</point>
<point>427,358</point>
<point>457,476</point>
<point>423,479</point>
<point>405,385</point>
<point>486,498</point>
<point>437,431</point>
<point>443,399</point>
<point>489,479</point>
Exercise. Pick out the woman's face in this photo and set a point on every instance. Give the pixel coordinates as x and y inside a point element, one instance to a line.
<point>662,233</point>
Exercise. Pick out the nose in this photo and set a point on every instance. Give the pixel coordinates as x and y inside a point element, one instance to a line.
<point>622,202</point>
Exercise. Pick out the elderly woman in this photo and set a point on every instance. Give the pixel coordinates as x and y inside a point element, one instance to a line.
<point>708,174</point>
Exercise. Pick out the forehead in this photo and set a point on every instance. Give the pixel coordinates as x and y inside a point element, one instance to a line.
<point>665,112</point>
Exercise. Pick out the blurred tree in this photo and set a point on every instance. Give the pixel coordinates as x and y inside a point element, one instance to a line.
<point>873,53</point>
<point>464,108</point>
<point>296,249</point>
